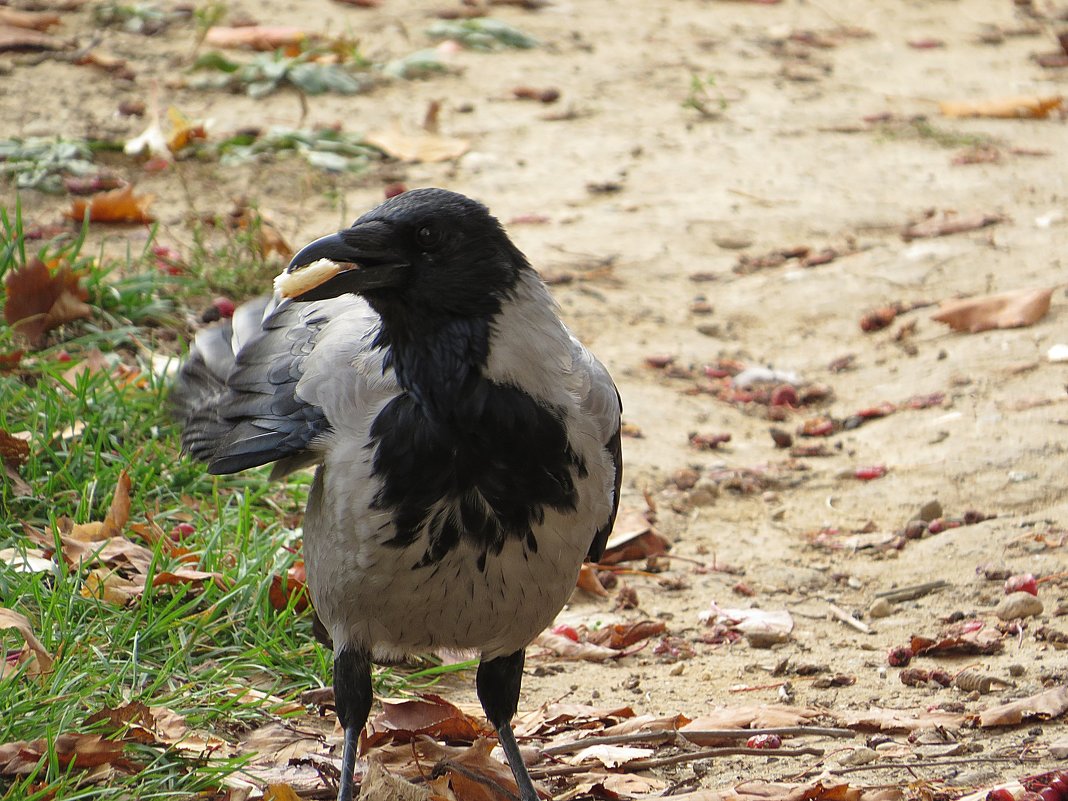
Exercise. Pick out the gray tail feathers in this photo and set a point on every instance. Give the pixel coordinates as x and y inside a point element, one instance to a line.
<point>201,392</point>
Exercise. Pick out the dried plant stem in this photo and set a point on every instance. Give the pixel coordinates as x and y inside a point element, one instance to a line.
<point>675,759</point>
<point>668,736</point>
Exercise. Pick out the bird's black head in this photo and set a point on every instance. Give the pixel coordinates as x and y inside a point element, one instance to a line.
<point>423,252</point>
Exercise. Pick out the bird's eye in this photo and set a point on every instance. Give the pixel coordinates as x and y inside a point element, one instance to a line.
<point>427,236</point>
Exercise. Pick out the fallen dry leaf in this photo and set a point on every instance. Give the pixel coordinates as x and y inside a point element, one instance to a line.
<point>876,719</point>
<point>113,523</point>
<point>28,560</point>
<point>762,628</point>
<point>39,300</point>
<point>1027,106</point>
<point>430,715</point>
<point>267,237</point>
<point>35,654</point>
<point>109,586</point>
<point>284,589</point>
<point>34,20</point>
<point>566,648</point>
<point>422,148</point>
<point>14,452</point>
<point>476,762</point>
<point>1005,310</point>
<point>78,751</point>
<point>588,581</point>
<point>620,636</point>
<point>633,537</point>
<point>258,37</point>
<point>117,206</point>
<point>966,637</point>
<point>554,719</point>
<point>610,756</point>
<point>1044,706</point>
<point>14,38</point>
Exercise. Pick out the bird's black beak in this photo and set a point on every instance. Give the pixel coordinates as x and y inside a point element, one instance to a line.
<point>355,260</point>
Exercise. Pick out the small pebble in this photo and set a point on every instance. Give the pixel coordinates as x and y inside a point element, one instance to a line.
<point>677,669</point>
<point>880,608</point>
<point>929,511</point>
<point>704,494</point>
<point>1018,605</point>
<point>1017,670</point>
<point>858,756</point>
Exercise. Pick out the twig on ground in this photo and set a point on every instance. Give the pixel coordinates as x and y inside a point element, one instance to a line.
<point>676,759</point>
<point>912,592</point>
<point>838,613</point>
<point>668,736</point>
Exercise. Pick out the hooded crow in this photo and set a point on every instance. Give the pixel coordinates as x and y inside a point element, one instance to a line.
<point>467,445</point>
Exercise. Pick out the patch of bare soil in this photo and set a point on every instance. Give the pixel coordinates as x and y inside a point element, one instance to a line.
<point>722,187</point>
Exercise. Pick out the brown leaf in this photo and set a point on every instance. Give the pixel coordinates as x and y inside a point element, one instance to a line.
<point>563,717</point>
<point>14,38</point>
<point>34,653</point>
<point>134,720</point>
<point>39,300</point>
<point>117,206</point>
<point>109,586</point>
<point>967,637</point>
<point>268,238</point>
<point>633,537</point>
<point>1006,310</point>
<point>257,37</point>
<point>588,581</point>
<point>292,585</point>
<point>80,751</point>
<point>188,577</point>
<point>876,719</point>
<point>623,635</point>
<point>476,761</point>
<point>566,648</point>
<point>422,148</point>
<point>34,20</point>
<point>431,715</point>
<point>1044,706</point>
<point>119,511</point>
<point>13,450</point>
<point>114,522</point>
<point>1029,106</point>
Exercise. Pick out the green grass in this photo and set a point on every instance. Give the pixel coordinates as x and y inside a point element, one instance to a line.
<point>181,647</point>
<point>923,130</point>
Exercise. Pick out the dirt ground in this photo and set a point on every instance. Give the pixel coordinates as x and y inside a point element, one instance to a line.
<point>649,203</point>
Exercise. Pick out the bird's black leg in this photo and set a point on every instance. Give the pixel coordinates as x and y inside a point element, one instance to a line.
<point>352,698</point>
<point>498,682</point>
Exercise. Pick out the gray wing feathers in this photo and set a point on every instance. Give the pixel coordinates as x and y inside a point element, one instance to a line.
<point>238,394</point>
<point>603,404</point>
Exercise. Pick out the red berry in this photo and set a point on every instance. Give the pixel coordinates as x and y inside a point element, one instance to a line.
<point>566,631</point>
<point>1024,582</point>
<point>183,529</point>
<point>764,741</point>
<point>392,190</point>
<point>63,356</point>
<point>224,306</point>
<point>870,472</point>
<point>899,657</point>
<point>784,395</point>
